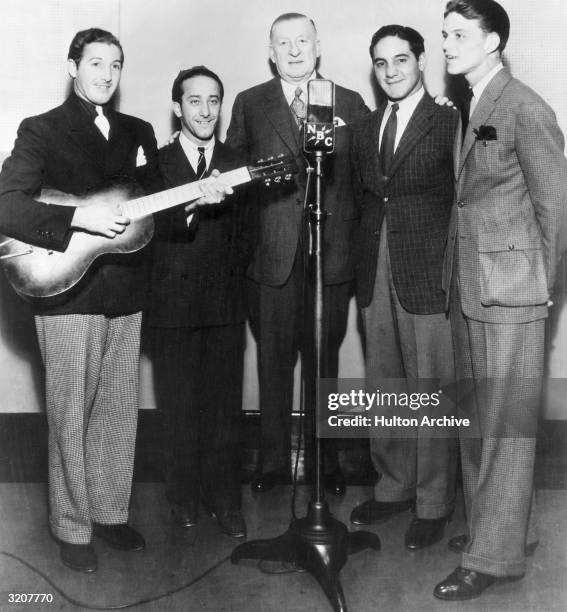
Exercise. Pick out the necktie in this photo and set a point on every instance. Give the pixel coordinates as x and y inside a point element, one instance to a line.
<point>101,122</point>
<point>389,140</point>
<point>298,107</point>
<point>201,163</point>
<point>466,109</point>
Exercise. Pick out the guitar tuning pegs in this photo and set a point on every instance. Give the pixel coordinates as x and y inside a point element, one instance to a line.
<point>270,158</point>
<point>267,182</point>
<point>287,177</point>
<point>261,161</point>
<point>280,156</point>
<point>278,179</point>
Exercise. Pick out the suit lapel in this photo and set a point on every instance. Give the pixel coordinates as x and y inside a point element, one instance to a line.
<point>374,144</point>
<point>418,126</point>
<point>84,133</point>
<point>481,113</point>
<point>121,141</point>
<point>279,115</point>
<point>176,167</point>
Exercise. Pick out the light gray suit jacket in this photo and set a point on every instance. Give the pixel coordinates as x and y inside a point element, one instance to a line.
<point>509,213</point>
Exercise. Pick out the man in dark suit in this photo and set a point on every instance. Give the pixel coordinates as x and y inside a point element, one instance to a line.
<point>402,170</point>
<point>197,312</point>
<point>90,340</point>
<point>500,266</point>
<point>266,121</point>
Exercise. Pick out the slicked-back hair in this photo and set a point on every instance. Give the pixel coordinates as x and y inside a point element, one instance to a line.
<point>92,35</point>
<point>413,38</point>
<point>289,17</point>
<point>189,73</point>
<point>492,16</point>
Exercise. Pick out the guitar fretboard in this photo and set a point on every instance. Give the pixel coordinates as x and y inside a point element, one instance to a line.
<point>162,200</point>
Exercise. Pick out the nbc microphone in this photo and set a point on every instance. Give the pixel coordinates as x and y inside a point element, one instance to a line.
<point>319,129</point>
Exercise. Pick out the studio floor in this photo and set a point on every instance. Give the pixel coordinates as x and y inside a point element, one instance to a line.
<point>390,580</point>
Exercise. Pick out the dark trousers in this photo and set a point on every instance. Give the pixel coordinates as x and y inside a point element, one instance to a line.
<point>281,326</point>
<point>198,381</point>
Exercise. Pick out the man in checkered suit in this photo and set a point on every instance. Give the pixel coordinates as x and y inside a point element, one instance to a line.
<point>90,339</point>
<point>502,251</point>
<point>404,194</point>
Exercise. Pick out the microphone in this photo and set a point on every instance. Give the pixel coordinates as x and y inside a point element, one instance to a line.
<point>319,128</point>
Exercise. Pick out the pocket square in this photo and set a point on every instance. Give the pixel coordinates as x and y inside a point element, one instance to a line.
<point>485,132</point>
<point>338,122</point>
<point>140,158</point>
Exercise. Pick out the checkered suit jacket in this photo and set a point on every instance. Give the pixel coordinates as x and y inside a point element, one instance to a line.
<point>510,203</point>
<point>416,201</point>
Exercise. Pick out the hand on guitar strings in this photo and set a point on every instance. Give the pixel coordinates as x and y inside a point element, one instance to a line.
<point>100,219</point>
<point>214,191</point>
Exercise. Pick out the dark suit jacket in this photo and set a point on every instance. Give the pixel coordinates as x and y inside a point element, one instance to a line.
<point>262,125</point>
<point>198,272</point>
<point>63,149</point>
<point>416,201</point>
<point>509,212</point>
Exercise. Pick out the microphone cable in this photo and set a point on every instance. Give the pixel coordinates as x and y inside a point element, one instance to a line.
<point>125,606</point>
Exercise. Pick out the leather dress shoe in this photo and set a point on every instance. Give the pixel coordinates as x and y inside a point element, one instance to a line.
<point>80,557</point>
<point>185,515</point>
<point>465,584</point>
<point>425,532</point>
<point>335,482</point>
<point>372,512</point>
<point>231,522</point>
<point>459,542</point>
<point>266,481</point>
<point>121,536</point>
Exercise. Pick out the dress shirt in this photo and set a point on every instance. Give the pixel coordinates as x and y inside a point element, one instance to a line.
<point>406,108</point>
<point>191,150</point>
<point>481,86</point>
<point>289,89</point>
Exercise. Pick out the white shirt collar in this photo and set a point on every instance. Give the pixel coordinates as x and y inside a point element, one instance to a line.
<point>406,108</point>
<point>481,85</point>
<point>191,150</point>
<point>289,88</point>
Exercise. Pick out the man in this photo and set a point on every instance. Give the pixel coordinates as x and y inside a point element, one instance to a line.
<point>402,170</point>
<point>89,340</point>
<point>197,310</point>
<point>266,120</point>
<point>500,266</point>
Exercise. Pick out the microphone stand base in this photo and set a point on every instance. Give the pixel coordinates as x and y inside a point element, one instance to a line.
<point>317,543</point>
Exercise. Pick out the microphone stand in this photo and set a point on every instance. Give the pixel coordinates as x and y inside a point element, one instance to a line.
<point>318,543</point>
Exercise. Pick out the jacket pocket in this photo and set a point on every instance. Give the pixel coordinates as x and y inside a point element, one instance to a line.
<point>512,272</point>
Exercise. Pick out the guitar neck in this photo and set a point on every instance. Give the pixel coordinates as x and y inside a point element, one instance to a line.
<point>162,200</point>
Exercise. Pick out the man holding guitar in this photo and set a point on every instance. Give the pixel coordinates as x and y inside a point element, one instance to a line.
<point>89,337</point>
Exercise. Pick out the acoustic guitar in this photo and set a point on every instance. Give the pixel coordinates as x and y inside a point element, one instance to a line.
<point>36,272</point>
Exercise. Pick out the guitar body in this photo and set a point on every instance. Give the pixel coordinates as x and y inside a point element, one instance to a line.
<point>35,272</point>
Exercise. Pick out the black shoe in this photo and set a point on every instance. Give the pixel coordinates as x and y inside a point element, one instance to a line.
<point>465,584</point>
<point>185,515</point>
<point>121,536</point>
<point>335,482</point>
<point>425,532</point>
<point>80,557</point>
<point>458,543</point>
<point>230,522</point>
<point>266,481</point>
<point>372,512</point>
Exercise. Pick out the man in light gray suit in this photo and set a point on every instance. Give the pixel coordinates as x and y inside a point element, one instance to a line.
<point>511,188</point>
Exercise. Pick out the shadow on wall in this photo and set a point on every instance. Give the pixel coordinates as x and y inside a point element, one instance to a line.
<point>17,335</point>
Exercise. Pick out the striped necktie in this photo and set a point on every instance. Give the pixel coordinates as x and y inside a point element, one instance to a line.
<point>298,107</point>
<point>201,164</point>
<point>389,140</point>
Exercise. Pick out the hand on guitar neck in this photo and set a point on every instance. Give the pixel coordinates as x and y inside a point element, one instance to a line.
<point>213,190</point>
<point>100,219</point>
